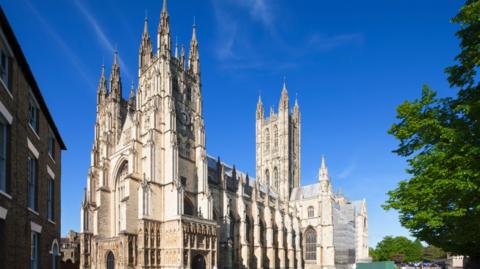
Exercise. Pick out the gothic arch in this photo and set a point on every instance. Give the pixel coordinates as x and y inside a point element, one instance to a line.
<point>267,177</point>
<point>55,253</point>
<point>110,260</point>
<point>188,207</point>
<point>122,164</point>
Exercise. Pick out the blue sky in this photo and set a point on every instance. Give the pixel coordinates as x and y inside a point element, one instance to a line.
<point>350,63</point>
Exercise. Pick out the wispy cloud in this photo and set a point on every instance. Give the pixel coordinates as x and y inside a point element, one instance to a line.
<point>101,36</point>
<point>346,172</point>
<point>71,56</point>
<point>320,42</point>
<point>242,45</point>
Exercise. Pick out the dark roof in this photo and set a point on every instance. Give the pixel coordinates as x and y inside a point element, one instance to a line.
<point>23,64</point>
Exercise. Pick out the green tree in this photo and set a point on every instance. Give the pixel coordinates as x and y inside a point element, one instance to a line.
<point>440,137</point>
<point>432,253</point>
<point>398,249</point>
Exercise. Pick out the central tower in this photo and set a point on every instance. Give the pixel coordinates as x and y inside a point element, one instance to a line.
<point>278,146</point>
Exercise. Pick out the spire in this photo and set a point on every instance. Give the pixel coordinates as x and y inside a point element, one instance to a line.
<point>131,98</point>
<point>194,57</point>
<point>145,26</point>
<point>145,53</point>
<point>115,57</point>
<point>164,7</point>
<point>260,111</point>
<point>84,200</point>
<point>323,173</point>
<point>296,107</point>
<point>182,56</point>
<point>115,80</point>
<point>163,35</point>
<point>102,84</point>
<point>176,47</point>
<point>284,99</point>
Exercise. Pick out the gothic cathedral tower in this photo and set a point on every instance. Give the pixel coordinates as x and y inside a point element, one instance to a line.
<point>278,146</point>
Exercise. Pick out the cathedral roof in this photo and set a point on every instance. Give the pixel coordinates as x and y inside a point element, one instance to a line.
<point>305,192</point>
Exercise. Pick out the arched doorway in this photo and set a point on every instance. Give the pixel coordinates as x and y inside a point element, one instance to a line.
<point>199,262</point>
<point>110,260</point>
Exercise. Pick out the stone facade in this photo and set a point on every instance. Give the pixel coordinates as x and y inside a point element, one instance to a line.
<point>29,224</point>
<point>155,199</point>
<point>70,250</point>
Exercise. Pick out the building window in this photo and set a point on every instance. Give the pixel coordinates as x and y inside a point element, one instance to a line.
<point>51,145</point>
<point>188,208</point>
<point>110,260</point>
<point>311,244</point>
<point>311,212</point>
<point>51,198</point>
<point>32,178</point>
<point>34,251</point>
<point>5,65</point>
<point>267,177</point>
<point>4,137</point>
<point>276,182</point>
<point>55,252</point>
<point>267,140</point>
<point>275,144</point>
<point>33,112</point>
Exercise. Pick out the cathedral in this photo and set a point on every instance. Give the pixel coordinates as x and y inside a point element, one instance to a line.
<point>154,198</point>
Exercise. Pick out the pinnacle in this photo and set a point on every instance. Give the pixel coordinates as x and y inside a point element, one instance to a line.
<point>164,8</point>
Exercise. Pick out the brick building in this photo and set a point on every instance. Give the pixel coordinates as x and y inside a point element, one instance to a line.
<point>30,164</point>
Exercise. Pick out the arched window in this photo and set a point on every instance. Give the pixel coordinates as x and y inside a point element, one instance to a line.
<point>55,252</point>
<point>232,226</point>
<point>146,200</point>
<point>249,229</point>
<point>310,244</point>
<point>263,233</point>
<point>110,260</point>
<point>311,212</point>
<point>275,178</point>
<point>267,177</point>
<point>275,137</point>
<point>188,208</point>
<point>267,140</point>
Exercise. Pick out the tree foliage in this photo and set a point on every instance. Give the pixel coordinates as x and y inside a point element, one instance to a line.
<point>432,253</point>
<point>440,137</point>
<point>399,249</point>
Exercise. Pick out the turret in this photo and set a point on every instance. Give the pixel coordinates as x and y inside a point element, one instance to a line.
<point>102,89</point>
<point>323,172</point>
<point>260,111</point>
<point>194,57</point>
<point>145,53</point>
<point>115,80</point>
<point>283,105</point>
<point>163,34</point>
<point>131,98</point>
<point>182,56</point>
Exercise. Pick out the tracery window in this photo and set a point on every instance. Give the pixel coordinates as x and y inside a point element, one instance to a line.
<point>275,145</point>
<point>267,177</point>
<point>310,244</point>
<point>267,140</point>
<point>311,212</point>
<point>275,179</point>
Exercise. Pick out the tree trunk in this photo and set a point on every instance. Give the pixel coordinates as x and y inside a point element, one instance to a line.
<point>473,262</point>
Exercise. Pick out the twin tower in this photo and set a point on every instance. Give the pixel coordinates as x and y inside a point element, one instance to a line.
<point>278,146</point>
